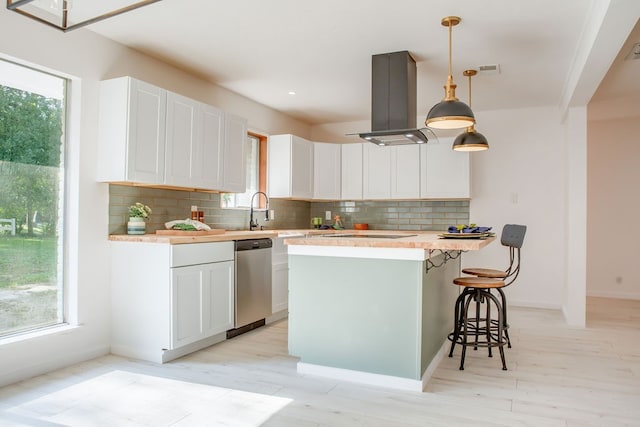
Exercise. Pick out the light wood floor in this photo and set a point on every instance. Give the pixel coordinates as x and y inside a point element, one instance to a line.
<point>558,376</point>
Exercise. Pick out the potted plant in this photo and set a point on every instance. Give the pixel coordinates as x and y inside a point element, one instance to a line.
<point>138,213</point>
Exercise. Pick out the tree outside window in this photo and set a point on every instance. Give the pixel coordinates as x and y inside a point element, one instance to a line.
<point>32,118</point>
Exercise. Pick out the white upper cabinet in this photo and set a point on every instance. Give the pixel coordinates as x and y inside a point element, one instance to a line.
<point>391,172</point>
<point>290,167</point>
<point>326,171</point>
<point>405,172</point>
<point>210,165</point>
<point>183,141</point>
<point>152,136</point>
<point>235,141</point>
<point>132,131</point>
<point>351,171</point>
<point>444,172</point>
<point>376,172</point>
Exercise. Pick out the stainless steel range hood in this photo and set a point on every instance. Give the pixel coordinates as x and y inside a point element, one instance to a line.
<point>393,101</point>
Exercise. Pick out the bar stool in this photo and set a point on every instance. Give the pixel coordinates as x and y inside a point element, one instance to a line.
<point>479,288</point>
<point>478,331</point>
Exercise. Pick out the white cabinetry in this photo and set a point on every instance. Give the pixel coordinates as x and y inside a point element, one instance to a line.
<point>405,172</point>
<point>290,170</point>
<point>279,275</point>
<point>152,136</point>
<point>326,171</point>
<point>351,171</point>
<point>234,171</point>
<point>195,133</point>
<point>132,131</point>
<point>444,172</point>
<point>391,172</point>
<point>170,300</point>
<point>376,172</point>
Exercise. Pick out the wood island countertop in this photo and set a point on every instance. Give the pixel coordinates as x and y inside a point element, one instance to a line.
<point>428,240</point>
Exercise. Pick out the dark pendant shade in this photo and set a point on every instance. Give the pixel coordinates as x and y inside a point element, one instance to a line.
<point>470,140</point>
<point>450,115</point>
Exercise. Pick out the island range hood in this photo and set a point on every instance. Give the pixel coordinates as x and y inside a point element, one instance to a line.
<point>393,101</point>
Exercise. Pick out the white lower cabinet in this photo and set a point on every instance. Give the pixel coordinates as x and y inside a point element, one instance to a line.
<point>170,300</point>
<point>279,275</point>
<point>201,302</point>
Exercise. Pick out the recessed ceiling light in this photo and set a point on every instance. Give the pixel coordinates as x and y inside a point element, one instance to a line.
<point>292,92</point>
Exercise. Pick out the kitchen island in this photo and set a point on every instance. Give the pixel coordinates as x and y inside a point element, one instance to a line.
<point>373,307</point>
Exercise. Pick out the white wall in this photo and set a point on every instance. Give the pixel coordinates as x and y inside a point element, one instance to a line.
<point>521,180</point>
<point>88,58</point>
<point>613,203</point>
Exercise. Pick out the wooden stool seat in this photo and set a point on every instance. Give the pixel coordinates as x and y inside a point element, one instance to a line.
<point>479,282</point>
<point>485,272</point>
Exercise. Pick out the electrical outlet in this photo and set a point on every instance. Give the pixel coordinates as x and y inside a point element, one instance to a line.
<point>272,214</point>
<point>327,215</point>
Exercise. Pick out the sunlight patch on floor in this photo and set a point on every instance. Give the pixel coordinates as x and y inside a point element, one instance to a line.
<point>127,398</point>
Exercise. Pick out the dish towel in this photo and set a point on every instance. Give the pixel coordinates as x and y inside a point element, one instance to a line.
<point>196,224</point>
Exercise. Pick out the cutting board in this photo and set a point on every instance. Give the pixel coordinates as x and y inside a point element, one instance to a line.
<point>189,233</point>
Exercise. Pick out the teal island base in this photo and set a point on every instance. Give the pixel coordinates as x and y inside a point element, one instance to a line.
<point>371,316</point>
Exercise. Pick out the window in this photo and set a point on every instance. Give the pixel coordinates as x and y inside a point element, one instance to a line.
<point>256,169</point>
<point>32,172</point>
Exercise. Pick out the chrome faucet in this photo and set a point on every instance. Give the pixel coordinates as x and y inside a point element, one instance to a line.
<point>253,224</point>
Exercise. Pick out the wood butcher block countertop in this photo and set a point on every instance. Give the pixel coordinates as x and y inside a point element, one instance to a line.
<point>413,239</point>
<point>428,240</point>
<point>178,240</point>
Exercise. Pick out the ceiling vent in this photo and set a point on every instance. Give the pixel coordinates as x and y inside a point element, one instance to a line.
<point>635,52</point>
<point>489,69</point>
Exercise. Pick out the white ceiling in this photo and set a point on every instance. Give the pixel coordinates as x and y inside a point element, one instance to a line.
<point>322,50</point>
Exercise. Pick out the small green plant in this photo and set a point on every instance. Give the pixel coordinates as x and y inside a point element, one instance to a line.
<point>139,211</point>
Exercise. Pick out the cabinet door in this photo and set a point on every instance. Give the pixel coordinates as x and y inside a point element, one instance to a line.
<point>146,133</point>
<point>201,301</point>
<point>186,304</point>
<point>376,169</point>
<point>279,275</point>
<point>279,166</point>
<point>218,299</point>
<point>326,171</point>
<point>279,287</point>
<point>210,165</point>
<point>234,178</point>
<point>301,168</point>
<point>405,172</point>
<point>351,172</point>
<point>184,144</point>
<point>444,172</point>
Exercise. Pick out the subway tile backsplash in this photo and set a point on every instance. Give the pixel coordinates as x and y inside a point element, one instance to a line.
<point>168,205</point>
<point>397,215</point>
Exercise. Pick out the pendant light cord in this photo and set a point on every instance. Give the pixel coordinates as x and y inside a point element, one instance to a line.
<point>450,54</point>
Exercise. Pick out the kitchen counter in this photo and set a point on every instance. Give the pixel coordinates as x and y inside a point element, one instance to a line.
<point>375,310</point>
<point>428,240</point>
<point>223,237</point>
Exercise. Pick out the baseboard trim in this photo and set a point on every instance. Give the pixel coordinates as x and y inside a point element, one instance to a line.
<point>367,378</point>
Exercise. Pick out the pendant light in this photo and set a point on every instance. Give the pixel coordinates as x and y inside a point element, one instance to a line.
<point>470,139</point>
<point>450,113</point>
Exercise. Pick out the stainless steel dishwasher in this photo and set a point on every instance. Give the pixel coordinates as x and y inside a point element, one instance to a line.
<point>253,284</point>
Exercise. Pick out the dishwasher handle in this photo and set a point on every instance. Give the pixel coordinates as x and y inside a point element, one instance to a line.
<point>251,244</point>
